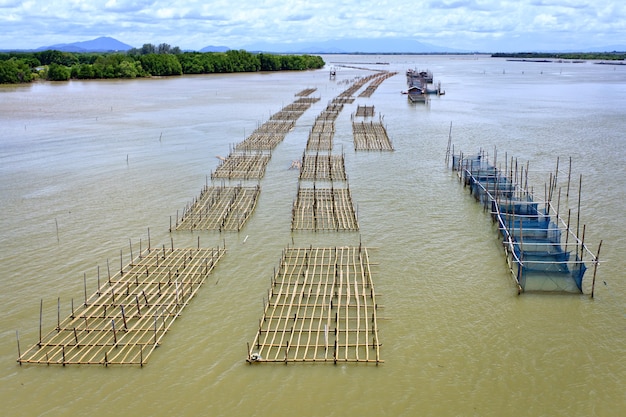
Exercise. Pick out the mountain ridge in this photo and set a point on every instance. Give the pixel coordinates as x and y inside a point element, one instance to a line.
<point>333,46</point>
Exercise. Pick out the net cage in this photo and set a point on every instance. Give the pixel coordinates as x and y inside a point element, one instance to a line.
<point>543,253</point>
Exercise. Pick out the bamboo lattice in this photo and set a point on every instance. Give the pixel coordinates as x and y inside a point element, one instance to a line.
<point>364,111</point>
<point>323,167</point>
<point>320,141</point>
<point>371,137</point>
<point>321,308</point>
<point>219,208</point>
<point>324,209</point>
<point>243,166</point>
<point>306,92</point>
<point>125,320</point>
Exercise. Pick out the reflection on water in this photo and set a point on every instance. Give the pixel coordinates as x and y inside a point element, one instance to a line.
<point>87,168</point>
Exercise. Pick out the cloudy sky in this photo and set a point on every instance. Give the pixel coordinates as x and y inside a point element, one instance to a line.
<point>475,25</point>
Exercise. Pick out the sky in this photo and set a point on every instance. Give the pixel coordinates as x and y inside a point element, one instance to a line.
<point>472,25</point>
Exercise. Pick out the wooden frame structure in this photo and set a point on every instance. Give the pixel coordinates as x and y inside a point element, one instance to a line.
<point>370,137</point>
<point>244,166</point>
<point>321,308</point>
<point>364,111</point>
<point>324,209</point>
<point>219,208</point>
<point>125,320</point>
<point>306,92</point>
<point>327,167</point>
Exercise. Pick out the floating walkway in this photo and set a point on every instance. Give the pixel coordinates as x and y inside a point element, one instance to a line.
<point>321,307</point>
<point>219,208</point>
<point>320,209</point>
<point>126,319</point>
<point>543,251</point>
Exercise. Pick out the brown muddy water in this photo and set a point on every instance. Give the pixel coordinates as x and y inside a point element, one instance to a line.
<point>86,167</point>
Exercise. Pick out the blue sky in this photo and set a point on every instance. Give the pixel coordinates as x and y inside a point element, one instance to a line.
<point>475,25</point>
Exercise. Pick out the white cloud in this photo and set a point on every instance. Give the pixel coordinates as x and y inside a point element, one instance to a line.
<point>466,24</point>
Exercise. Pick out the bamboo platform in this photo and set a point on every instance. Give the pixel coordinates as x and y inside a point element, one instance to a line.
<point>267,136</point>
<point>321,308</point>
<point>320,141</point>
<point>306,92</point>
<point>323,167</point>
<point>128,316</point>
<point>300,107</point>
<point>219,208</point>
<point>307,100</point>
<point>323,126</point>
<point>371,137</point>
<point>328,209</point>
<point>287,115</point>
<point>364,111</point>
<point>343,100</point>
<point>373,86</point>
<point>243,166</point>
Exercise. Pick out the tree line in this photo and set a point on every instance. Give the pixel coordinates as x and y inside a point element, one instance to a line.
<point>149,60</point>
<point>609,56</point>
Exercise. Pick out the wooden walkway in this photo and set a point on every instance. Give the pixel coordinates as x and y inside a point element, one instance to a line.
<point>371,137</point>
<point>329,209</point>
<point>323,167</point>
<point>219,208</point>
<point>243,166</point>
<point>321,308</point>
<point>125,320</point>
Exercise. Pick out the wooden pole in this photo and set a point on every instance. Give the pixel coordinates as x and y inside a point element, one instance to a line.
<point>595,269</point>
<point>40,319</point>
<point>19,353</point>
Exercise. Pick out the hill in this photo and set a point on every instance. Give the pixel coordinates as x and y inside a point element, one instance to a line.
<point>102,44</point>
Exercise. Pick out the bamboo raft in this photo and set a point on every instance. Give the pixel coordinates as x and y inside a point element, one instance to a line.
<point>219,208</point>
<point>321,307</point>
<point>306,92</point>
<point>340,100</point>
<point>323,126</point>
<point>364,111</point>
<point>242,166</point>
<point>373,86</point>
<point>267,136</point>
<point>130,313</point>
<point>307,100</point>
<point>371,137</point>
<point>323,167</point>
<point>320,141</point>
<point>287,115</point>
<point>329,209</point>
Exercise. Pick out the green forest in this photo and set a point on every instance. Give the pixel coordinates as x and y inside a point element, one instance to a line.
<point>148,61</point>
<point>608,56</point>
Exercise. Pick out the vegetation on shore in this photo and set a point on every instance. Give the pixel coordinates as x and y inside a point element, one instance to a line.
<point>150,60</point>
<point>608,56</point>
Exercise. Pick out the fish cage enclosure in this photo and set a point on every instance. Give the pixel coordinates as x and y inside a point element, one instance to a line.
<point>544,250</point>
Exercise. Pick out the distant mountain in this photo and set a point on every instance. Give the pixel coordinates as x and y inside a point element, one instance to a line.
<point>212,48</point>
<point>370,46</point>
<point>102,44</point>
